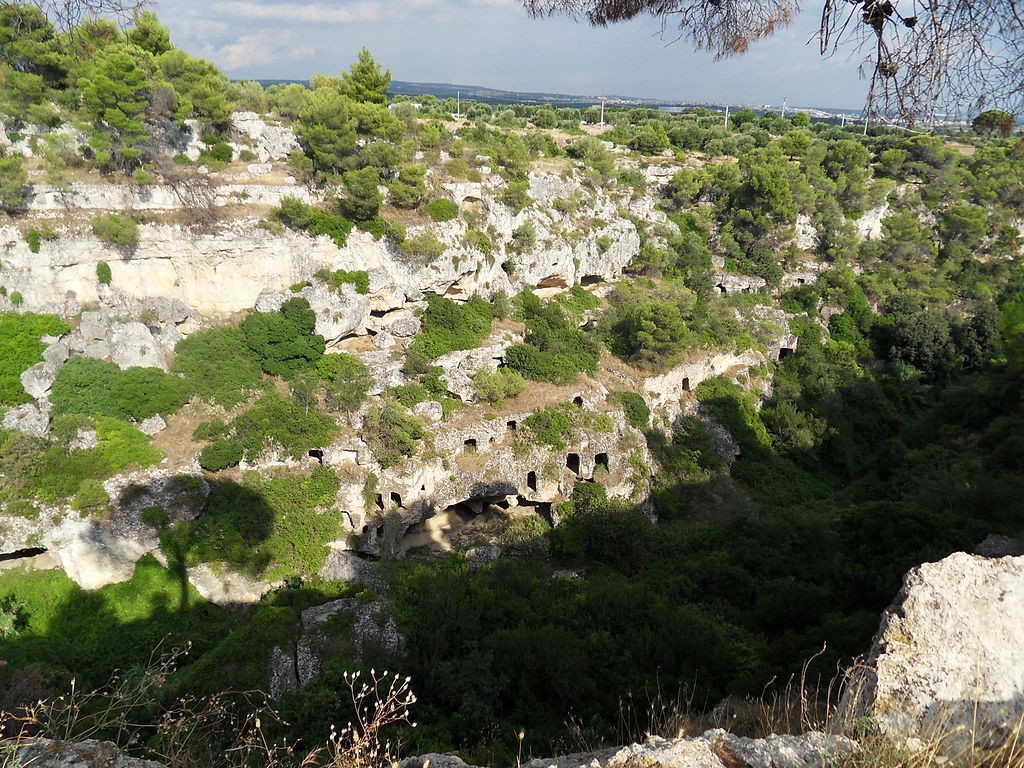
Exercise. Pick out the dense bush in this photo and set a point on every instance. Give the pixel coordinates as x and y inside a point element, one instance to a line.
<point>359,279</point>
<point>95,388</point>
<point>552,426</point>
<point>637,413</point>
<point>218,365</point>
<point>424,247</point>
<point>346,379</point>
<point>555,349</point>
<point>314,221</point>
<point>116,230</point>
<point>442,209</point>
<point>450,326</point>
<point>21,348</point>
<point>45,469</point>
<point>283,422</point>
<point>495,386</point>
<point>391,433</point>
<point>283,342</point>
<point>103,275</point>
<point>221,455</point>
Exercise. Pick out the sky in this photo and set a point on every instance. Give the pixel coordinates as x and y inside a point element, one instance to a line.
<point>493,43</point>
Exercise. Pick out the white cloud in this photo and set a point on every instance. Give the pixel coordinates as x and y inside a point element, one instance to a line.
<point>360,12</point>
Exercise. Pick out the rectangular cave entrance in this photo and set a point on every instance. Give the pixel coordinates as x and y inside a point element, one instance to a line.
<point>572,462</point>
<point>396,499</point>
<point>601,461</point>
<point>470,445</point>
<point>684,385</point>
<point>512,425</point>
<point>785,352</point>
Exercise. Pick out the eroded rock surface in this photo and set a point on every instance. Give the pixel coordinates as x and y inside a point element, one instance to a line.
<point>947,664</point>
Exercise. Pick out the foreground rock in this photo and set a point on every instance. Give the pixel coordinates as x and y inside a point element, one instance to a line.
<point>715,749</point>
<point>48,753</point>
<point>946,668</point>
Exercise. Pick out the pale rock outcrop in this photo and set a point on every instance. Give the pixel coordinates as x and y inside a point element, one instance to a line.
<point>727,282</point>
<point>373,626</point>
<point>460,366</point>
<point>90,753</point>
<point>226,588</point>
<point>152,425</point>
<point>132,345</point>
<point>946,668</point>
<point>806,234</point>
<point>36,381</point>
<point>32,419</point>
<point>405,327</point>
<point>869,225</point>
<point>269,142</point>
<point>339,313</point>
<point>666,389</point>
<point>94,554</point>
<point>342,565</point>
<point>57,353</point>
<point>714,749</point>
<point>383,340</point>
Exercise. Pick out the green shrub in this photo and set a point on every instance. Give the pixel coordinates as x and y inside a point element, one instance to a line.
<point>442,209</point>
<point>91,498</point>
<point>283,342</point>
<point>221,455</point>
<point>299,216</point>
<point>272,527</point>
<point>96,388</point>
<point>479,240</point>
<point>285,422</point>
<point>33,239</point>
<point>21,348</point>
<point>103,274</point>
<point>551,426</point>
<point>391,433</point>
<point>408,188</point>
<point>17,299</point>
<point>346,379</point>
<point>218,366</point>
<point>637,413</point>
<point>409,395</point>
<point>516,195</point>
<point>359,278</point>
<point>524,238</point>
<point>116,230</point>
<point>495,386</point>
<point>555,349</point>
<point>450,326</point>
<point>423,247</point>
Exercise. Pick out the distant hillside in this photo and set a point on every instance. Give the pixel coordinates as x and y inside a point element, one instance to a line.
<point>498,96</point>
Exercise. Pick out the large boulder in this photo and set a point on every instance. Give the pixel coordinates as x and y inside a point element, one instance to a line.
<point>946,669</point>
<point>133,345</point>
<point>50,753</point>
<point>714,749</point>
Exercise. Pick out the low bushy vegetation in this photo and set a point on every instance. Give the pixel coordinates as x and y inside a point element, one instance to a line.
<point>21,347</point>
<point>218,365</point>
<point>391,433</point>
<point>314,221</point>
<point>555,349</point>
<point>284,342</point>
<point>449,326</point>
<point>96,388</point>
<point>116,230</point>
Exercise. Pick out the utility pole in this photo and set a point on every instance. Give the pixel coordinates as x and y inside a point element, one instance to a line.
<point>603,99</point>
<point>726,115</point>
<point>867,116</point>
<point>843,125</point>
<point>458,103</point>
<point>784,102</point>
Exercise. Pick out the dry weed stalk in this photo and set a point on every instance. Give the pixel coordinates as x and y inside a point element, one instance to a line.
<point>379,702</point>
